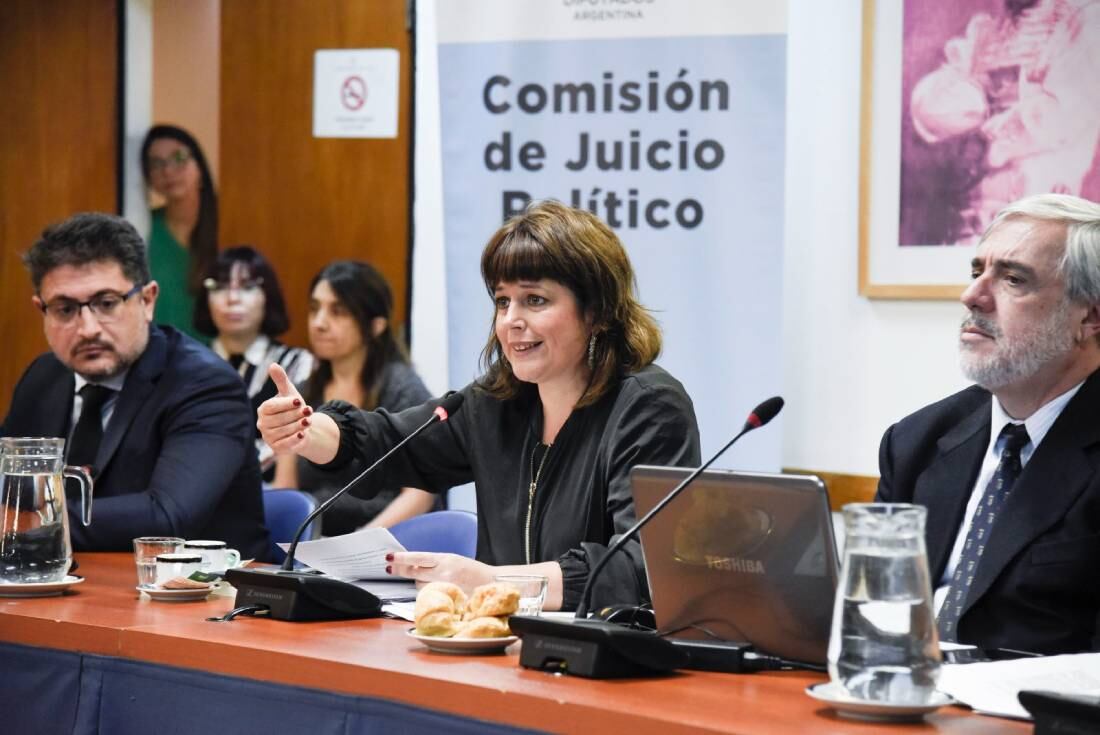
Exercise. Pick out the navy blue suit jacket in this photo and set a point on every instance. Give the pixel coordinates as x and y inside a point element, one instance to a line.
<point>177,457</point>
<point>1036,586</point>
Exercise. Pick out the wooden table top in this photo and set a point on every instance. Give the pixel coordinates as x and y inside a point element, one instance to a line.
<point>375,658</point>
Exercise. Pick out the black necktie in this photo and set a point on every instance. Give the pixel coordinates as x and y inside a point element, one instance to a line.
<point>977,536</point>
<point>235,361</point>
<point>89,429</point>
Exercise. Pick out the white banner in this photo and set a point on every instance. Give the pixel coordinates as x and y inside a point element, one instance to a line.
<point>666,119</point>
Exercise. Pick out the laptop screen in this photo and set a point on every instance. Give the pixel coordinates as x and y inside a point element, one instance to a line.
<point>741,556</point>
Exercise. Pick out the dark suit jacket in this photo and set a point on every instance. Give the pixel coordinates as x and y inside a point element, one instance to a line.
<point>1036,587</point>
<point>177,458</point>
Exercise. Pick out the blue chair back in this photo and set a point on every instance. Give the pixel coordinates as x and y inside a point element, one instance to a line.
<point>284,511</point>
<point>444,531</point>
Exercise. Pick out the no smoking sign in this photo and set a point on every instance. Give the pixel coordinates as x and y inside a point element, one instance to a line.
<point>355,93</point>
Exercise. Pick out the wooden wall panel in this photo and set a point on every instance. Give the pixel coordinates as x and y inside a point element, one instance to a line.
<point>302,200</point>
<point>58,144</point>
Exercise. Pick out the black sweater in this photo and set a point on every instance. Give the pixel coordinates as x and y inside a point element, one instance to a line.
<point>583,500</point>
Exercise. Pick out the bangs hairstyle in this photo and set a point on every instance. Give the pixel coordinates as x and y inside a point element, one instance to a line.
<point>256,266</point>
<point>575,248</point>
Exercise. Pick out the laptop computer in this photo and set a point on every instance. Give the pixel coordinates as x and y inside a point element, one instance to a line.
<point>741,556</point>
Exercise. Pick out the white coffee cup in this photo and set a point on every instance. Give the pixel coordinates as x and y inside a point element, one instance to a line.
<point>215,556</point>
<point>170,566</point>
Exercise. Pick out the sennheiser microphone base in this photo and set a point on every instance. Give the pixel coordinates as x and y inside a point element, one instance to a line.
<point>302,596</point>
<point>593,649</point>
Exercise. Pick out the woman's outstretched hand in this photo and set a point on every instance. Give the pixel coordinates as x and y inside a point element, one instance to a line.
<point>289,426</point>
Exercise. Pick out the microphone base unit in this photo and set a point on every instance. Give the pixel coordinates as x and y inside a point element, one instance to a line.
<point>593,649</point>
<point>300,596</point>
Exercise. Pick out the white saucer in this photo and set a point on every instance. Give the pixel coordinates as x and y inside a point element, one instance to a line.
<point>175,595</point>
<point>865,709</point>
<point>463,645</point>
<point>39,589</point>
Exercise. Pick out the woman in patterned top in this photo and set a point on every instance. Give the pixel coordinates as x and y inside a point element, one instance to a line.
<point>245,312</point>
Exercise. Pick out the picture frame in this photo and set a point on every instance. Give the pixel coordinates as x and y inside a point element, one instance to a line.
<point>886,269</point>
<point>967,107</point>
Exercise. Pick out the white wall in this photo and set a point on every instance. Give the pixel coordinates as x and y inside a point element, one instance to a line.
<point>139,108</point>
<point>851,365</point>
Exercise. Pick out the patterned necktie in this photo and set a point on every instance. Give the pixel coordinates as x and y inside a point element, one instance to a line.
<point>88,432</point>
<point>989,507</point>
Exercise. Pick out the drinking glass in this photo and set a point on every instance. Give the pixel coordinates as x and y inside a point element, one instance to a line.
<point>146,550</point>
<point>532,591</point>
<point>884,645</point>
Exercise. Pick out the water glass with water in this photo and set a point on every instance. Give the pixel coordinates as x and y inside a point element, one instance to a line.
<point>146,550</point>
<point>532,591</point>
<point>884,645</point>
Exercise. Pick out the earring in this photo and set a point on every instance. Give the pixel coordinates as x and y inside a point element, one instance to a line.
<point>592,352</point>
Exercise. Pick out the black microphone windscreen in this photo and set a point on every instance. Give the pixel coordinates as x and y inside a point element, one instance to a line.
<point>452,403</point>
<point>765,412</point>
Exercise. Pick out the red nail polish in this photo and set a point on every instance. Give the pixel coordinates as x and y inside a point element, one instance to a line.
<point>307,411</point>
<point>297,402</point>
<point>389,570</point>
<point>301,435</point>
<point>305,422</point>
<point>389,557</point>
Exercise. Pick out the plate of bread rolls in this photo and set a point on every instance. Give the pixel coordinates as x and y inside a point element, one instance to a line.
<point>447,621</point>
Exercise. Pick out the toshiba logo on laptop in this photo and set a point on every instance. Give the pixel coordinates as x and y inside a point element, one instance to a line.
<point>735,564</point>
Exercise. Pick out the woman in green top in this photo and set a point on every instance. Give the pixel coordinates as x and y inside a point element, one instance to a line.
<point>183,240</point>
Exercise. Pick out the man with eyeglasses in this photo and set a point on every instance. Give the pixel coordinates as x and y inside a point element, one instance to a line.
<point>164,424</point>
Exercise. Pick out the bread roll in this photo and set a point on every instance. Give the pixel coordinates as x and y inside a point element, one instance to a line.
<point>484,627</point>
<point>493,600</point>
<point>451,590</point>
<point>442,624</point>
<point>430,601</point>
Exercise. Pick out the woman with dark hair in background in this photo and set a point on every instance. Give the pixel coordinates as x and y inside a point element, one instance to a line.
<point>360,361</point>
<point>243,309</point>
<point>569,402</point>
<point>183,239</point>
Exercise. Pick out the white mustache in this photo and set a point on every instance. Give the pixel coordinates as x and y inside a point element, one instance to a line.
<point>982,324</point>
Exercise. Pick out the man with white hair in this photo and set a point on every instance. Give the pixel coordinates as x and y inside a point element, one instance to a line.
<point>1009,469</point>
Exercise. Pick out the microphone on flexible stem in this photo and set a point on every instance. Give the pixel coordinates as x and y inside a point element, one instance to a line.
<point>288,594</point>
<point>601,650</point>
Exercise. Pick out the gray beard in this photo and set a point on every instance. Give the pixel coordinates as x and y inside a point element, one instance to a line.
<point>1018,358</point>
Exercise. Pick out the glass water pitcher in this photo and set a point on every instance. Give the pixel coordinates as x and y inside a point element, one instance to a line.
<point>884,646</point>
<point>34,524</point>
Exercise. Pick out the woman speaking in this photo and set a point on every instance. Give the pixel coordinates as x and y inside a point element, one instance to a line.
<point>569,402</point>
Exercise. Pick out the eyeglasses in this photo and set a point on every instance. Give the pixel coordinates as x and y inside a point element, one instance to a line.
<point>174,160</point>
<point>222,288</point>
<point>105,305</point>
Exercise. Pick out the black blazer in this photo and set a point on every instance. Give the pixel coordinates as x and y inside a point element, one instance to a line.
<point>1036,587</point>
<point>177,457</point>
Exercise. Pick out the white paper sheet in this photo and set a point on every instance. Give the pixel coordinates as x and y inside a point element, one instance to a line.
<point>358,555</point>
<point>992,687</point>
<point>403,610</point>
<point>399,590</point>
